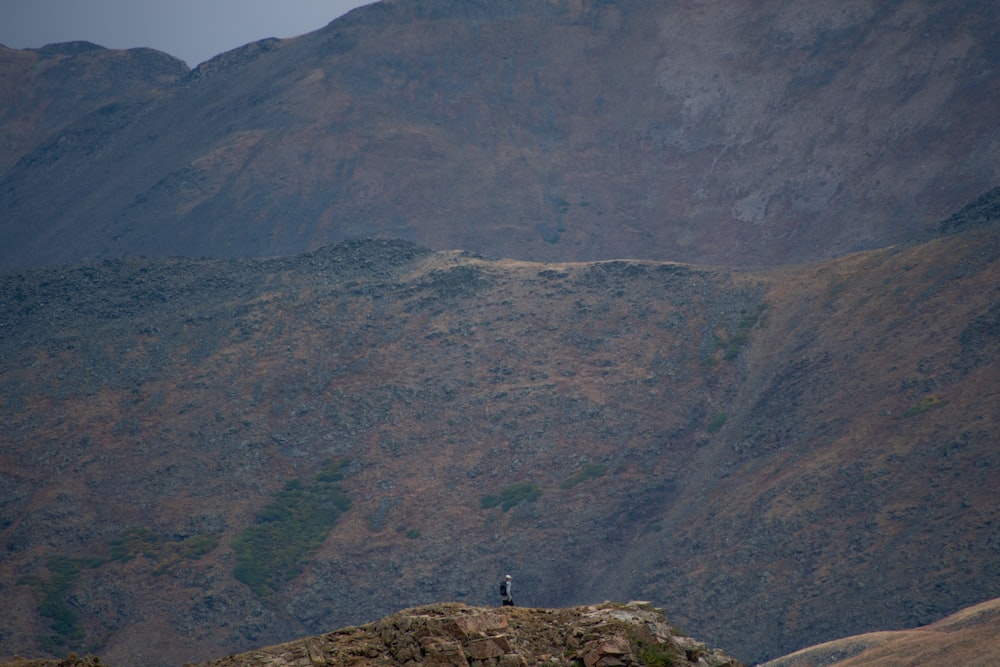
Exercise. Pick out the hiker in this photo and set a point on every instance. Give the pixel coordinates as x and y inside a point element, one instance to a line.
<point>507,600</point>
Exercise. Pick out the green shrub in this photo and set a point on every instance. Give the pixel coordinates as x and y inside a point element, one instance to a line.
<point>654,656</point>
<point>197,546</point>
<point>52,604</point>
<point>512,495</point>
<point>63,573</point>
<point>749,320</point>
<point>716,422</point>
<point>294,523</point>
<point>133,542</point>
<point>165,564</point>
<point>927,403</point>
<point>731,344</point>
<point>590,471</point>
<point>654,653</point>
<point>166,551</point>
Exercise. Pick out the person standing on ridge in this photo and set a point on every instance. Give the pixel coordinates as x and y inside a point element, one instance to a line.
<point>507,599</point>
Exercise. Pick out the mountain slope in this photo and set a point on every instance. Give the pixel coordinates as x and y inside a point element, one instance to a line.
<point>967,637</point>
<point>44,90</point>
<point>200,457</point>
<point>746,133</point>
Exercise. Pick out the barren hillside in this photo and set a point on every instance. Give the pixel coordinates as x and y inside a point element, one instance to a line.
<point>968,637</point>
<point>201,457</point>
<point>729,133</point>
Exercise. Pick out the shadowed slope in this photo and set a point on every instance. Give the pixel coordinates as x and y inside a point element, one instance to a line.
<point>741,133</point>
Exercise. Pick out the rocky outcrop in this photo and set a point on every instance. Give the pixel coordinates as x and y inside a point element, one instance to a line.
<point>604,635</point>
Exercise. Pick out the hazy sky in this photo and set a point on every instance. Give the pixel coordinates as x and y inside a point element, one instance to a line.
<point>192,30</point>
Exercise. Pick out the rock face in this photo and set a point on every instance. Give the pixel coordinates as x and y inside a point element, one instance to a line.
<point>458,635</point>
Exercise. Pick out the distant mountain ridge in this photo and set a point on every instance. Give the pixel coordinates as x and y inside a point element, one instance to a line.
<point>752,134</point>
<point>44,90</point>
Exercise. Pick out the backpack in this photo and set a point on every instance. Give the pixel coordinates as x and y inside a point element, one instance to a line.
<point>503,588</point>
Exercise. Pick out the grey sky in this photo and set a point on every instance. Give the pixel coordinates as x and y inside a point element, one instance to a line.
<point>192,30</point>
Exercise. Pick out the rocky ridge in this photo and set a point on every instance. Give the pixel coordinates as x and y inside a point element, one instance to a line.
<point>603,635</point>
<point>458,635</point>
